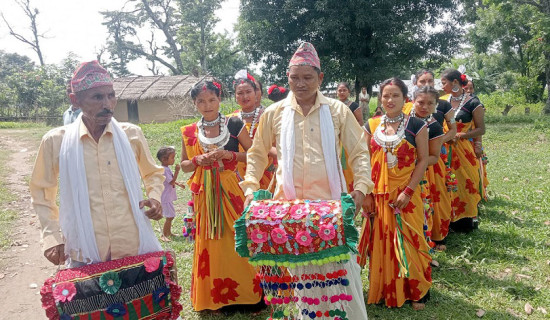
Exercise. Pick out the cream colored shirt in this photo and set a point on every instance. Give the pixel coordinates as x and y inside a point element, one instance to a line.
<point>116,232</point>
<point>310,176</point>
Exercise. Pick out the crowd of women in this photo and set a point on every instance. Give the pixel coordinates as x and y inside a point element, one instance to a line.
<point>425,164</point>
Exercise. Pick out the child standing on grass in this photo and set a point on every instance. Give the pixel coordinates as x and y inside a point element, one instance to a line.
<point>166,156</point>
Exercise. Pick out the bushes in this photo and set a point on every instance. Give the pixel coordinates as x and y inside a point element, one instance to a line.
<point>496,102</point>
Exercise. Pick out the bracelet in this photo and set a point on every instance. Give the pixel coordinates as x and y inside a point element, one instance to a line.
<point>408,191</point>
<point>194,161</point>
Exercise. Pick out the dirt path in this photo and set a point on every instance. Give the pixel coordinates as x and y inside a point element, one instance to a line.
<point>23,268</point>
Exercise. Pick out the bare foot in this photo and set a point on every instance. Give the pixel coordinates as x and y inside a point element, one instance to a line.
<point>165,238</point>
<point>434,263</point>
<point>418,306</point>
<point>440,247</point>
<point>175,235</point>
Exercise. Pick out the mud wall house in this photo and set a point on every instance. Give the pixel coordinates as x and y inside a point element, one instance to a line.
<point>154,98</point>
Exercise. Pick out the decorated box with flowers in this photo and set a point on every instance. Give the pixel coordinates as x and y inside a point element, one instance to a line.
<point>296,232</point>
<point>139,287</point>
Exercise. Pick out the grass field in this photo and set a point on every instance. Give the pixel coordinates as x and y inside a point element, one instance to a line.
<point>498,268</point>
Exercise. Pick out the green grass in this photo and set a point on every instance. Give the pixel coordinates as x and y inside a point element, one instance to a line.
<point>21,125</point>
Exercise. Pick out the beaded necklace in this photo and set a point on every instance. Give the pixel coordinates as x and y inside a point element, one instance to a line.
<point>209,144</point>
<point>390,142</point>
<point>256,113</point>
<point>427,119</point>
<point>460,105</point>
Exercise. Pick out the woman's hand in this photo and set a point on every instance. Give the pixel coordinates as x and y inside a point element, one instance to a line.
<point>203,160</point>
<point>457,137</point>
<point>220,154</point>
<point>402,201</point>
<point>478,149</point>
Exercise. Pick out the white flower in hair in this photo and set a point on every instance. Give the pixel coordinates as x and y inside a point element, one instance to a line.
<point>241,74</point>
<point>461,69</point>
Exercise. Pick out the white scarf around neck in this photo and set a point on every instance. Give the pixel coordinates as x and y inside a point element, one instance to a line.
<point>74,209</point>
<point>328,142</point>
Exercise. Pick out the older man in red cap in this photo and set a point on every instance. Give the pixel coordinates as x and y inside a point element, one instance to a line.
<point>308,129</point>
<point>100,164</point>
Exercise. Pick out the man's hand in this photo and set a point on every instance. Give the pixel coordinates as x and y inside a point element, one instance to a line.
<point>358,198</point>
<point>155,211</point>
<point>56,255</point>
<point>368,204</point>
<point>247,200</point>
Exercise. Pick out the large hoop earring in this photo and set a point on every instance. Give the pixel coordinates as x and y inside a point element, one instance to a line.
<point>455,88</point>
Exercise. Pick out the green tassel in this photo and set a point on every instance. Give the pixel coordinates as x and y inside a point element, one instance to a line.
<point>343,159</point>
<point>348,213</point>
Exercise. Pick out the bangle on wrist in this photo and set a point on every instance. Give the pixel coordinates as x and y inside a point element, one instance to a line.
<point>408,191</point>
<point>194,161</point>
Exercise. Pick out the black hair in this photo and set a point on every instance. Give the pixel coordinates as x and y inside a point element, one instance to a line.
<point>202,86</point>
<point>427,90</point>
<point>421,73</point>
<point>453,74</point>
<point>278,95</point>
<point>240,81</point>
<point>261,87</point>
<point>165,152</point>
<point>395,82</point>
<point>345,84</point>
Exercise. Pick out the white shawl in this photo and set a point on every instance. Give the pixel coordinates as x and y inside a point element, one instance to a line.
<point>74,210</point>
<point>328,141</point>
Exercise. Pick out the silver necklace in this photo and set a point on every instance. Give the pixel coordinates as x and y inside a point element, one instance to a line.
<point>457,98</point>
<point>210,144</point>
<point>390,142</point>
<point>255,117</point>
<point>460,105</point>
<point>210,123</point>
<point>397,119</point>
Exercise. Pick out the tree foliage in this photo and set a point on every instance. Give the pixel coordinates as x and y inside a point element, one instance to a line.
<point>27,90</point>
<point>181,38</point>
<point>511,45</point>
<point>366,41</point>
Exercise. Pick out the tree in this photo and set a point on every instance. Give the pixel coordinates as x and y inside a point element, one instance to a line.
<point>502,35</point>
<point>124,45</point>
<point>362,41</point>
<point>34,41</point>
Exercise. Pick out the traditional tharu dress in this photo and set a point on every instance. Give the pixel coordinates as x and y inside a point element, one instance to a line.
<point>439,212</point>
<point>464,163</point>
<point>251,128</point>
<point>399,261</point>
<point>219,276</point>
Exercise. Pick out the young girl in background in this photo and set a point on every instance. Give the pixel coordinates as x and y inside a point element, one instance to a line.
<point>167,156</point>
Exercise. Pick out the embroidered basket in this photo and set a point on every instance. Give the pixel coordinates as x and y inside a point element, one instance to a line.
<point>139,287</point>
<point>297,232</point>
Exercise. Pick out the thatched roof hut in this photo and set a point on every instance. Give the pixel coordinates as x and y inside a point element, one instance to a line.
<point>154,98</point>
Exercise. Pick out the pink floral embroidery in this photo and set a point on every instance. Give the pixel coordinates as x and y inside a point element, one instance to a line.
<point>278,212</point>
<point>279,236</point>
<point>298,212</point>
<point>303,238</point>
<point>258,236</point>
<point>64,291</point>
<point>261,212</point>
<point>327,232</point>
<point>152,264</point>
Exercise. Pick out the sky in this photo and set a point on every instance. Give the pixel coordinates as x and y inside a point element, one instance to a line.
<point>75,26</point>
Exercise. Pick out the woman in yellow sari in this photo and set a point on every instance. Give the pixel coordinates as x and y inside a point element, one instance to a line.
<point>210,149</point>
<point>399,265</point>
<point>246,95</point>
<point>469,115</point>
